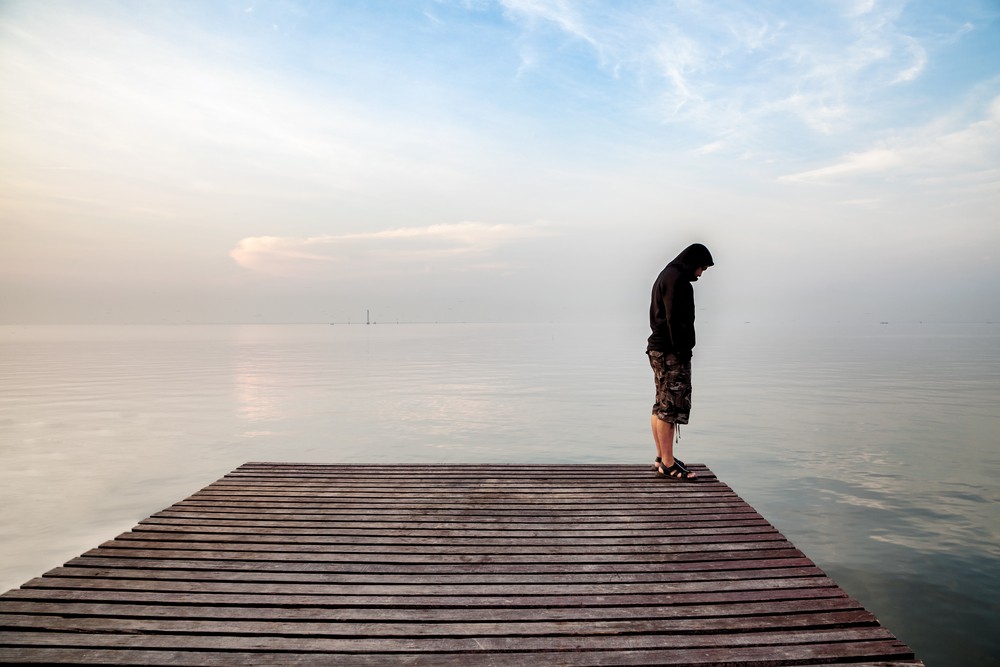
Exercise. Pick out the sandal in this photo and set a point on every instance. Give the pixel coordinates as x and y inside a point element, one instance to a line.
<point>677,472</point>
<point>656,464</point>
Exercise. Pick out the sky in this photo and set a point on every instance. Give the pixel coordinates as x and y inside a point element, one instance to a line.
<point>192,161</point>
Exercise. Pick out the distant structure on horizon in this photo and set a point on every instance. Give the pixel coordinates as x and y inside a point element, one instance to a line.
<point>368,318</point>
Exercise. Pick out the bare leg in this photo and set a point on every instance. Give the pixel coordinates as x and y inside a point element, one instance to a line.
<point>663,436</point>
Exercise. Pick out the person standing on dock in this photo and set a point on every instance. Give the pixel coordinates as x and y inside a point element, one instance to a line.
<point>670,346</point>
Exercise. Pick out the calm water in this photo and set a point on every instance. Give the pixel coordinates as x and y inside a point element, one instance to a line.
<point>873,448</point>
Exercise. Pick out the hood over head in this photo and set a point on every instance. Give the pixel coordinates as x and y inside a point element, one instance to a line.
<point>692,258</point>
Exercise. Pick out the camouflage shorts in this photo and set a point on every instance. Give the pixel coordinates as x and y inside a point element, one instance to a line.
<point>673,387</point>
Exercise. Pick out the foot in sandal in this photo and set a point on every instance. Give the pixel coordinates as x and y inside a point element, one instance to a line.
<point>678,471</point>
<point>656,464</point>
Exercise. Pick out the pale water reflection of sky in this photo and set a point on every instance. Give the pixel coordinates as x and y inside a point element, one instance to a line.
<point>835,435</point>
<point>496,160</point>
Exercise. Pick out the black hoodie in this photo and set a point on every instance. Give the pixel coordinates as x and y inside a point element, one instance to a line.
<point>671,309</point>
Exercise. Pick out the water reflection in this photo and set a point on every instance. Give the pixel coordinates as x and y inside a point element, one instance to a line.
<point>880,466</point>
<point>256,397</point>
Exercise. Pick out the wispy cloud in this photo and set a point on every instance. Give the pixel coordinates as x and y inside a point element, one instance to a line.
<point>559,12</point>
<point>919,62</point>
<point>877,160</point>
<point>924,155</point>
<point>441,248</point>
<point>736,67</point>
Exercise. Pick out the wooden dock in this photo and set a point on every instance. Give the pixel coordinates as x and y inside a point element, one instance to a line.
<point>281,563</point>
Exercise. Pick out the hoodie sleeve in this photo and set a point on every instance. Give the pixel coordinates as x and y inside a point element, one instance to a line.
<point>680,319</point>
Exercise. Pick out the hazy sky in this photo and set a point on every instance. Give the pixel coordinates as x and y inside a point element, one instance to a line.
<point>519,160</point>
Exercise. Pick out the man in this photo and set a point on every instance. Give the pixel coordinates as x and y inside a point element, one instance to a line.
<point>671,318</point>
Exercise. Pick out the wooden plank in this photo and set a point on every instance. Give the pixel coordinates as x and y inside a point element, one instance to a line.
<point>527,540</point>
<point>786,558</point>
<point>51,623</point>
<point>471,594</point>
<point>448,644</point>
<point>136,571</point>
<point>448,553</point>
<point>445,565</point>
<point>747,610</point>
<point>462,521</point>
<point>678,553</point>
<point>422,602</point>
<point>887,654</point>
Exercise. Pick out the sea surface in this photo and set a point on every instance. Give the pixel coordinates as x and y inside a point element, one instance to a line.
<point>873,447</point>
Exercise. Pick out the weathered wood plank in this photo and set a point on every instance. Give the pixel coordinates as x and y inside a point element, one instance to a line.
<point>748,656</point>
<point>464,554</point>
<point>774,559</point>
<point>479,644</point>
<point>465,521</point>
<point>421,602</point>
<point>678,553</point>
<point>469,594</point>
<point>751,609</point>
<point>447,542</point>
<point>431,579</point>
<point>658,527</point>
<point>445,565</point>
<point>692,512</point>
<point>229,626</point>
<point>204,524</point>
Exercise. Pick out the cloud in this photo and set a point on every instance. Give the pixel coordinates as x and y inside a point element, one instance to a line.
<point>861,7</point>
<point>915,69</point>
<point>926,154</point>
<point>856,164</point>
<point>710,148</point>
<point>558,12</point>
<point>462,246</point>
<point>739,67</point>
